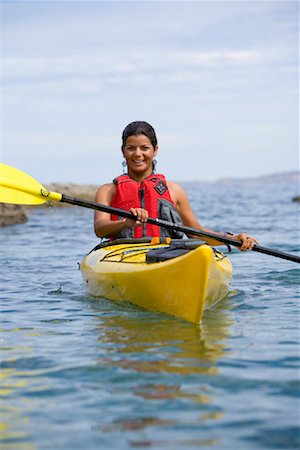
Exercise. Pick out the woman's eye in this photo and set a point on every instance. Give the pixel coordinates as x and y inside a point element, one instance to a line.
<point>133,149</point>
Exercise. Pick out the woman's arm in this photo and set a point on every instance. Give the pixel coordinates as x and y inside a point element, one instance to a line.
<point>103,225</point>
<point>189,219</point>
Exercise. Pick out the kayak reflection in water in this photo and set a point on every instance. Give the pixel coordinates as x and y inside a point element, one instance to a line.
<point>147,194</point>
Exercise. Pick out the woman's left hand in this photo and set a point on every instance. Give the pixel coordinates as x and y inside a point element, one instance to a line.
<point>248,242</point>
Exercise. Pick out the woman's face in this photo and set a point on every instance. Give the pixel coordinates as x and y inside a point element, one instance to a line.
<point>139,153</point>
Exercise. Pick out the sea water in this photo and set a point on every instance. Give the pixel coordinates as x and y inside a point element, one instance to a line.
<point>79,372</point>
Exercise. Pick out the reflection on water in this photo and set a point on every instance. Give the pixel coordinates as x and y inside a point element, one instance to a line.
<point>154,349</point>
<point>165,345</point>
<point>13,422</point>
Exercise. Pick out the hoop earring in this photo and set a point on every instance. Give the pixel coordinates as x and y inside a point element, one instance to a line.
<point>154,163</point>
<point>124,164</point>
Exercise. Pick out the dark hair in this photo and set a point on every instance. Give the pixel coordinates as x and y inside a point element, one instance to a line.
<point>139,127</point>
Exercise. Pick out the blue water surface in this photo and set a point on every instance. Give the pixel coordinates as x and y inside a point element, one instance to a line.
<point>84,373</point>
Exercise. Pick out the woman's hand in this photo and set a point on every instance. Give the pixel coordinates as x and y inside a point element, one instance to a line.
<point>247,241</point>
<point>141,217</point>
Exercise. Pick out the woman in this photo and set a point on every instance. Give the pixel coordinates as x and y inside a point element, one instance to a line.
<point>147,194</point>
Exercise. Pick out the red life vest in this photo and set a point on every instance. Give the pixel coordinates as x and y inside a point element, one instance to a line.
<point>147,195</point>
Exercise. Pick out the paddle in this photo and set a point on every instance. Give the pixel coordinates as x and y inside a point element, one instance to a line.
<point>19,188</point>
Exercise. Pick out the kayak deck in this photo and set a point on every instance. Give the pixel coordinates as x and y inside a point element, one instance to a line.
<point>148,274</point>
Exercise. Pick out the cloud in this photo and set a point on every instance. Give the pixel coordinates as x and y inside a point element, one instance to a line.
<point>95,64</point>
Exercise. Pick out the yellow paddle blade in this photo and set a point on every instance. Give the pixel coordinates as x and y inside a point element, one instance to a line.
<point>18,188</point>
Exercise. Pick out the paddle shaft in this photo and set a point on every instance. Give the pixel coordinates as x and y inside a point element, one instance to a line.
<point>173,226</point>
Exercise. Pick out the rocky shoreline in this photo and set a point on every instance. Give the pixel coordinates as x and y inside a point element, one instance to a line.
<point>17,214</point>
<point>12,215</point>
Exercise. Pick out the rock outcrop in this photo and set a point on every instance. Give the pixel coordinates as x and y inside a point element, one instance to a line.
<point>11,214</point>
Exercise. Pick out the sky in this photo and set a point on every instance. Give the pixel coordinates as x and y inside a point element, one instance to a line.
<point>218,80</point>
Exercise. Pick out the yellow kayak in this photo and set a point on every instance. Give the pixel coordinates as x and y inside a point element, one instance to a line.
<point>177,277</point>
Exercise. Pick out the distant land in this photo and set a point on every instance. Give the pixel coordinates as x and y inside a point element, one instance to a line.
<point>282,176</point>
<point>293,176</point>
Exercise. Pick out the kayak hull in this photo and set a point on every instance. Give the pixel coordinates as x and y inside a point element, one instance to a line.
<point>183,286</point>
